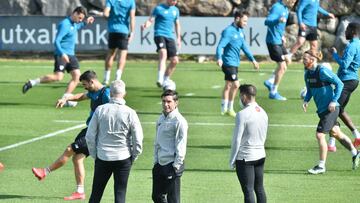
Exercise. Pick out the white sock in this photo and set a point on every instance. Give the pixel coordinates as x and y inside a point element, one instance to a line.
<point>356,133</point>
<point>272,78</point>
<point>107,75</point>
<point>166,78</point>
<point>231,106</point>
<point>331,142</point>
<point>80,188</point>
<point>224,105</point>
<point>118,74</point>
<point>66,95</point>
<point>47,171</point>
<point>322,163</point>
<point>161,76</point>
<point>354,152</point>
<point>274,89</point>
<point>35,82</point>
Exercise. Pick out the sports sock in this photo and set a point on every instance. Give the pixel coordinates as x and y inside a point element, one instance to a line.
<point>80,188</point>
<point>107,75</point>
<point>356,133</point>
<point>271,78</point>
<point>35,82</point>
<point>231,106</point>
<point>354,152</point>
<point>224,105</point>
<point>66,95</point>
<point>331,142</point>
<point>118,74</point>
<point>47,171</point>
<point>166,78</point>
<point>161,76</point>
<point>274,89</point>
<point>322,163</point>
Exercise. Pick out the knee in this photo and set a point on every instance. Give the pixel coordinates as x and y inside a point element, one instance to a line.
<point>174,60</point>
<point>320,136</point>
<point>236,85</point>
<point>58,77</point>
<point>335,132</point>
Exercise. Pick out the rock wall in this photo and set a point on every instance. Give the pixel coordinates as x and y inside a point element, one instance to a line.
<point>331,31</point>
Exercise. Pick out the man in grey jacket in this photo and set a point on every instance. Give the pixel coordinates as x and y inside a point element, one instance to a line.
<point>247,148</point>
<point>169,151</point>
<point>114,138</point>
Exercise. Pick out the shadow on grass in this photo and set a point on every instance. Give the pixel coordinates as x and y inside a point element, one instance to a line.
<point>209,146</point>
<point>183,113</point>
<point>293,148</point>
<point>24,104</point>
<point>24,197</point>
<point>284,171</point>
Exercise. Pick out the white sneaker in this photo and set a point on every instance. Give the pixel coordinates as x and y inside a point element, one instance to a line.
<point>70,104</point>
<point>317,170</point>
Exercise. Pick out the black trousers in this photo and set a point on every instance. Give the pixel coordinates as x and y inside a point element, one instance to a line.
<point>102,173</point>
<point>250,175</point>
<point>166,184</point>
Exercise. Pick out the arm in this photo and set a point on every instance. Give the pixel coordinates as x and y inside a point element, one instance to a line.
<point>137,136</point>
<point>156,158</point>
<point>346,59</point>
<point>329,76</point>
<point>225,39</point>
<point>299,11</point>
<point>236,140</point>
<point>178,33</point>
<point>132,25</point>
<point>77,97</point>
<point>323,11</point>
<point>180,144</point>
<point>106,12</point>
<point>274,17</point>
<point>249,55</point>
<point>91,134</point>
<point>62,30</point>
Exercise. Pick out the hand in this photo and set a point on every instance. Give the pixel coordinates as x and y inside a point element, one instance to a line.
<point>331,15</point>
<point>178,43</point>
<point>282,20</point>
<point>131,37</point>
<point>90,20</point>
<point>332,106</point>
<point>65,58</point>
<point>302,27</point>
<point>232,166</point>
<point>219,63</point>
<point>283,39</point>
<point>256,65</point>
<point>60,103</point>
<point>304,106</point>
<point>333,50</point>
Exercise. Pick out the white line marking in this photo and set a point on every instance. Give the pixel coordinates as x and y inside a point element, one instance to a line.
<point>216,87</point>
<point>42,137</point>
<point>189,94</point>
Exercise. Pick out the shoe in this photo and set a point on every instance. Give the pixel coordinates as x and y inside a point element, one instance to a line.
<point>26,87</point>
<point>356,142</point>
<point>277,96</point>
<point>75,196</point>
<point>331,148</point>
<point>268,84</point>
<point>39,173</point>
<point>316,170</point>
<point>355,161</point>
<point>70,104</point>
<point>159,84</point>
<point>231,113</point>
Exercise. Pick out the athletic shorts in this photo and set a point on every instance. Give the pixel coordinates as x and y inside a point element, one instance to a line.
<point>230,73</point>
<point>61,66</point>
<point>310,33</point>
<point>118,40</point>
<point>166,43</point>
<point>79,146</point>
<point>349,88</point>
<point>276,51</point>
<point>328,121</point>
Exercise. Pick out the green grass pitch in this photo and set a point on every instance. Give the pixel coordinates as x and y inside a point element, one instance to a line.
<point>291,145</point>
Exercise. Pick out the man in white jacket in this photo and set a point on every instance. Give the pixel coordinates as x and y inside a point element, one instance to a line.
<point>247,148</point>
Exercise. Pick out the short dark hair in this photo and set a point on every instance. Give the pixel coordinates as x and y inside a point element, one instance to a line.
<point>172,93</point>
<point>80,9</point>
<point>241,13</point>
<point>88,75</point>
<point>354,28</point>
<point>248,89</point>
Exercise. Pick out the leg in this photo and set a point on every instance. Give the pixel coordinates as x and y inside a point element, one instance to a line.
<point>225,97</point>
<point>172,66</point>
<point>322,146</point>
<point>102,173</point>
<point>121,173</point>
<point>314,45</point>
<point>75,75</point>
<point>121,64</point>
<point>232,94</point>
<point>343,139</point>
<point>162,65</point>
<point>174,192</point>
<point>54,77</point>
<point>62,159</point>
<point>79,168</point>
<point>108,64</point>
<point>347,120</point>
<point>299,42</point>
<point>259,183</point>
<point>159,187</point>
<point>246,176</point>
<point>279,73</point>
